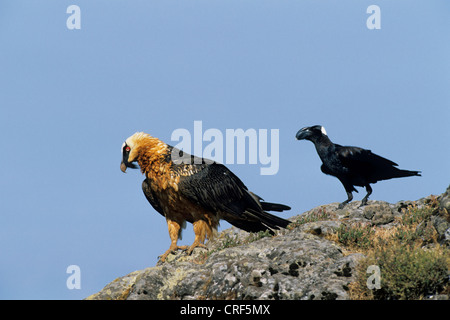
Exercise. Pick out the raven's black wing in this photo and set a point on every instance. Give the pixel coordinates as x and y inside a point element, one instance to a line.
<point>355,155</point>
<point>368,165</point>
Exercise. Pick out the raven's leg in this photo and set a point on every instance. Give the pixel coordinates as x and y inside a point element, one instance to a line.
<point>350,198</point>
<point>369,192</point>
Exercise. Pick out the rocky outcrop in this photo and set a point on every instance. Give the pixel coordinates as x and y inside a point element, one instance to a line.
<point>297,263</point>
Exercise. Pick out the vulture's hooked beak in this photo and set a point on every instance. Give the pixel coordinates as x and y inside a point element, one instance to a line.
<point>125,164</point>
<point>123,167</point>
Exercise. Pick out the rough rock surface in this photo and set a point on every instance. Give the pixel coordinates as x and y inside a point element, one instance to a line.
<point>297,263</point>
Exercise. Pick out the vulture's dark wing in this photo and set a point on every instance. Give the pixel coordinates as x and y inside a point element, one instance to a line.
<point>217,189</point>
<point>151,197</point>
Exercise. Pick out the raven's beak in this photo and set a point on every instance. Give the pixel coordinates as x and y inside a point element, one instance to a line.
<point>302,134</point>
<point>123,167</point>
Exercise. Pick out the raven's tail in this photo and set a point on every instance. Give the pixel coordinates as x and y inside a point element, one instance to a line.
<point>392,172</point>
<point>399,173</point>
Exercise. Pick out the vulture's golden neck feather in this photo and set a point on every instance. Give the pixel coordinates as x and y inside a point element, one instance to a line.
<point>150,153</point>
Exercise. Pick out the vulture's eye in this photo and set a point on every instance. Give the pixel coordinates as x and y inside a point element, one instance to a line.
<point>127,149</point>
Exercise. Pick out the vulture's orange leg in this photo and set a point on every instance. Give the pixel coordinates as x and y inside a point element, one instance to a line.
<point>174,229</point>
<point>201,230</point>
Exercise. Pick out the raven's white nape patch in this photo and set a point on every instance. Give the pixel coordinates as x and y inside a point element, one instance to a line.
<point>323,130</point>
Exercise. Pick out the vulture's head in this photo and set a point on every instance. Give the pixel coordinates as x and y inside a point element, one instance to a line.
<point>130,151</point>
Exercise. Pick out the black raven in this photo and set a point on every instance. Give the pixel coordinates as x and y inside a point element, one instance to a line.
<point>353,166</point>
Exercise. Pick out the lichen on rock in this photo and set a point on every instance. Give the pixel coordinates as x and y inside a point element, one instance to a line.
<point>301,262</point>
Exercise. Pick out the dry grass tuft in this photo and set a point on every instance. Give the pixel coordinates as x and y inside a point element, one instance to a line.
<point>412,263</point>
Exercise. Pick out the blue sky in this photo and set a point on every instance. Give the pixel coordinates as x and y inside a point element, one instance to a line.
<point>69,98</point>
